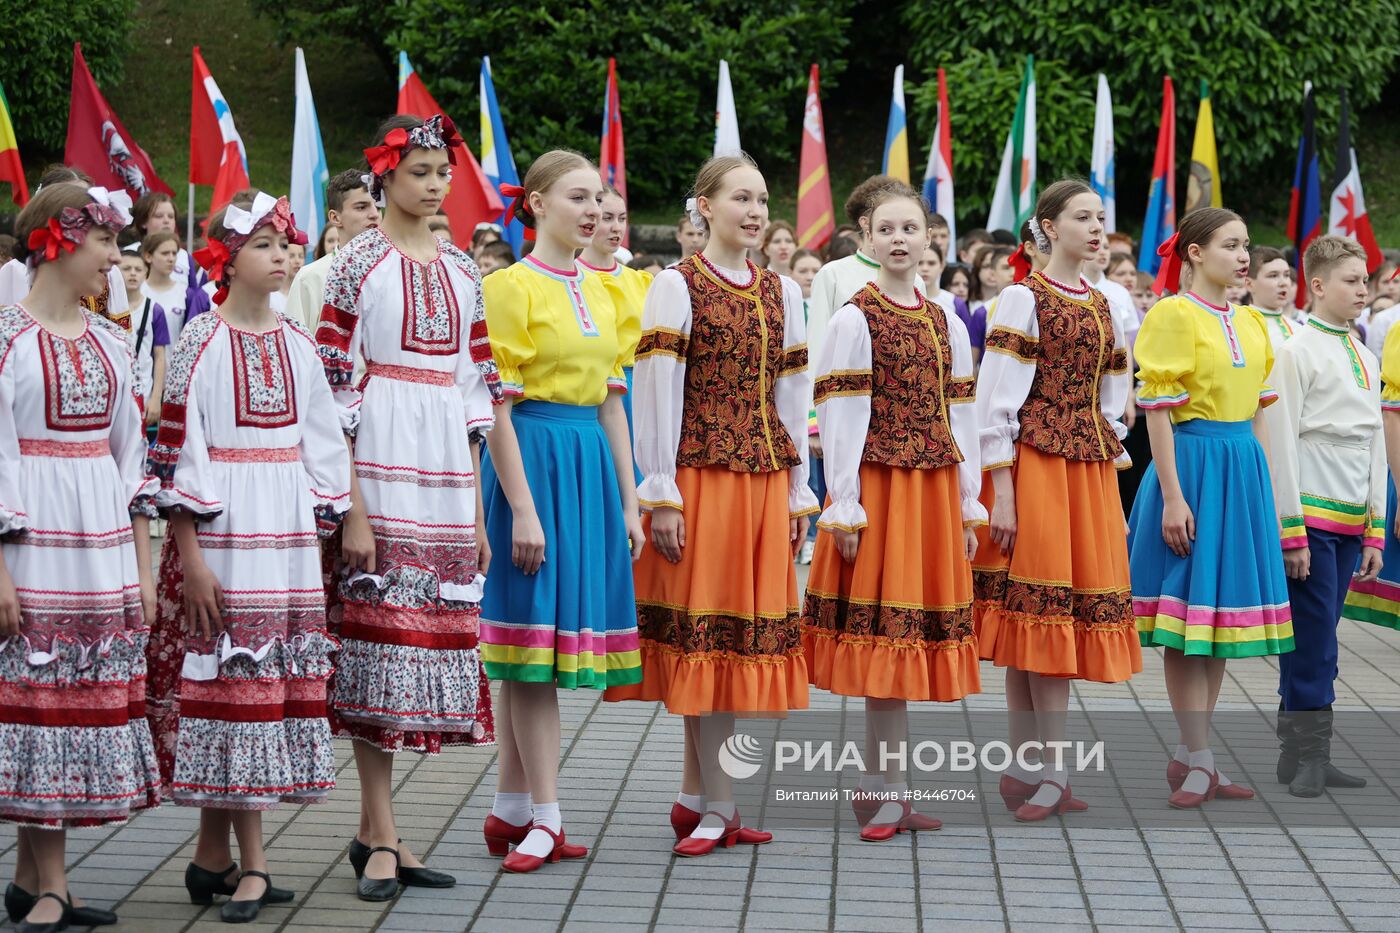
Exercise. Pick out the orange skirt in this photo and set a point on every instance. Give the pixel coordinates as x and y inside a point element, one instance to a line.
<point>1060,604</point>
<point>896,623</point>
<point>720,631</point>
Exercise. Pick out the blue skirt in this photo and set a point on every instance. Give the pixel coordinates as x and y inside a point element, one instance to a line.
<point>574,622</point>
<point>1378,601</point>
<point>1229,597</point>
<point>631,431</point>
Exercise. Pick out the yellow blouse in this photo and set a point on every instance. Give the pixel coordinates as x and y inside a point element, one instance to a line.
<point>1202,361</point>
<point>1390,371</point>
<point>554,333</point>
<point>632,285</point>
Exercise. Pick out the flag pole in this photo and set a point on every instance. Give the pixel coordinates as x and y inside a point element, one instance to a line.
<point>189,222</point>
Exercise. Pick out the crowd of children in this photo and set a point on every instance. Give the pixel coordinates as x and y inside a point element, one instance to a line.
<point>400,472</point>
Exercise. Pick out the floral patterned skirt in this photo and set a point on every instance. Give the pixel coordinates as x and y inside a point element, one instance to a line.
<point>896,623</point>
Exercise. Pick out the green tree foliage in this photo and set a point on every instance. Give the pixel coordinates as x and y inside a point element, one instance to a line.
<point>36,60</point>
<point>549,65</point>
<point>1256,54</point>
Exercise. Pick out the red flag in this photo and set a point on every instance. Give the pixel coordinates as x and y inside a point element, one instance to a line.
<point>471,199</point>
<point>11,169</point>
<point>1348,215</point>
<point>216,150</point>
<point>99,144</point>
<point>611,159</point>
<point>815,217</point>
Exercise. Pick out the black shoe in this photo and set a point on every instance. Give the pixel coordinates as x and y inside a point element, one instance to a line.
<point>408,877</point>
<point>53,926</point>
<point>1339,778</point>
<point>1287,747</point>
<point>19,902</point>
<point>1312,732</point>
<point>379,889</point>
<point>246,911</point>
<point>203,884</point>
<point>1310,779</point>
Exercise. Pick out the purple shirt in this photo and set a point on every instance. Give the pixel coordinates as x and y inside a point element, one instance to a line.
<point>976,322</point>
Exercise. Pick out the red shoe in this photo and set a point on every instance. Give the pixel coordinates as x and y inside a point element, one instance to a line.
<point>1034,812</point>
<point>1233,792</point>
<point>733,833</point>
<point>520,863</point>
<point>1014,793</point>
<point>908,822</point>
<point>1176,773</point>
<point>500,835</point>
<point>684,820</point>
<point>864,804</point>
<point>1189,800</point>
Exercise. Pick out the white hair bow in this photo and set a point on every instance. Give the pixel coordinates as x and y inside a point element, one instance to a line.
<point>118,201</point>
<point>697,219</point>
<point>240,221</point>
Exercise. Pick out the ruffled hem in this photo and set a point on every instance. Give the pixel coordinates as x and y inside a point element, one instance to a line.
<point>1171,394</point>
<point>1058,647</point>
<point>69,662</point>
<point>693,685</point>
<point>802,501</point>
<point>658,491</point>
<point>253,765</point>
<point>304,656</point>
<point>401,688</point>
<point>76,775</point>
<point>886,669</point>
<point>974,512</point>
<point>847,515</point>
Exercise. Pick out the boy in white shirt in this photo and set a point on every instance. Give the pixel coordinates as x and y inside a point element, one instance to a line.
<point>1328,469</point>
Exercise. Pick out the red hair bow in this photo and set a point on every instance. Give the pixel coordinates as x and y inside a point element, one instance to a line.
<point>450,138</point>
<point>385,158</point>
<point>214,259</point>
<point>1020,262</point>
<point>517,193</point>
<point>51,240</point>
<point>1169,274</point>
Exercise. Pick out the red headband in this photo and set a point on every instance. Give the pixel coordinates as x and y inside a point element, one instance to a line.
<point>1020,262</point>
<point>520,201</point>
<point>1169,274</point>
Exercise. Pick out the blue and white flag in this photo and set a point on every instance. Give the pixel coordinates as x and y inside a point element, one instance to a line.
<point>309,171</point>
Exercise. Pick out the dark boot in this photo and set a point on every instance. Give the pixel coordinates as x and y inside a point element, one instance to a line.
<point>1334,777</point>
<point>1310,736</point>
<point>1287,747</point>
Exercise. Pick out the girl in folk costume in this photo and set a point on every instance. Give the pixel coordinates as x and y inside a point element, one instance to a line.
<point>1052,572</point>
<point>561,501</point>
<point>1208,580</point>
<point>1378,600</point>
<point>75,560</point>
<point>889,602</point>
<point>250,464</point>
<point>722,396</point>
<point>409,306</point>
<point>601,256</point>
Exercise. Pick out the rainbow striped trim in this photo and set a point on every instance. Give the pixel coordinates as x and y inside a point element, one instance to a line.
<point>1376,602</point>
<point>1162,401</point>
<point>1221,633</point>
<point>1267,397</point>
<point>1295,532</point>
<point>1390,404</point>
<point>544,653</point>
<point>1375,532</point>
<point>1334,515</point>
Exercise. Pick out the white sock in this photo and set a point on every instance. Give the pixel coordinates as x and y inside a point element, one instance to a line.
<point>1047,794</point>
<point>1198,782</point>
<point>718,812</point>
<point>539,843</point>
<point>1025,775</point>
<point>1181,755</point>
<point>694,802</point>
<point>893,808</point>
<point>513,808</point>
<point>872,783</point>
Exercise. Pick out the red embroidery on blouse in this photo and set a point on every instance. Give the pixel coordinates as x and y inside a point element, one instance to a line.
<point>78,450</point>
<point>264,396</point>
<point>431,320</point>
<point>431,377</point>
<point>80,386</point>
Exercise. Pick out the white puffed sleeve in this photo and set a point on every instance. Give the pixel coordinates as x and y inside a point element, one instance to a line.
<point>181,455</point>
<point>128,437</point>
<point>658,388</point>
<point>961,393</point>
<point>842,391</point>
<point>1115,386</point>
<point>324,455</point>
<point>338,332</point>
<point>793,394</point>
<point>477,377</point>
<point>1008,369</point>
